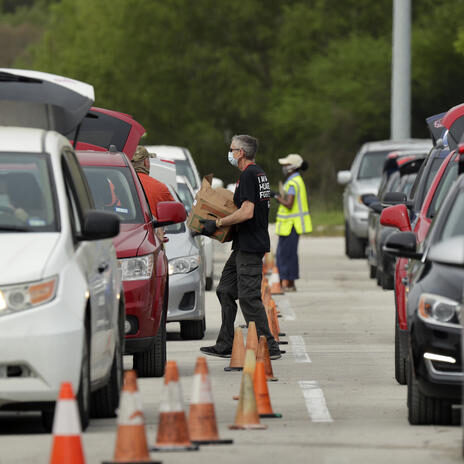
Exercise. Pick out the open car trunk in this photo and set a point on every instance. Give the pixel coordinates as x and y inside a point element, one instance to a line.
<point>103,128</point>
<point>41,100</point>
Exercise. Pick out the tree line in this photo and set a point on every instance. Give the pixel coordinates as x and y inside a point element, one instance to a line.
<point>309,77</point>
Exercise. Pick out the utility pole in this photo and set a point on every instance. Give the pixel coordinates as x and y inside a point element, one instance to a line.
<point>400,123</point>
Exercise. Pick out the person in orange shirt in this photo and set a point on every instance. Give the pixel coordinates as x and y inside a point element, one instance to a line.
<point>155,190</point>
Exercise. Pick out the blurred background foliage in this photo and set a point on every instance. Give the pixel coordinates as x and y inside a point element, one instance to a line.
<point>311,77</point>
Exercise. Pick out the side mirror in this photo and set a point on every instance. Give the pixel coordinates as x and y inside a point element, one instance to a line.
<point>99,225</point>
<point>343,177</point>
<point>369,198</point>
<point>396,216</point>
<point>376,206</point>
<point>449,252</point>
<point>169,212</point>
<point>402,245</point>
<point>394,198</point>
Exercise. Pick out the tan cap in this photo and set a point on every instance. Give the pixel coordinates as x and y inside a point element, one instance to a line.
<point>140,154</point>
<point>293,159</point>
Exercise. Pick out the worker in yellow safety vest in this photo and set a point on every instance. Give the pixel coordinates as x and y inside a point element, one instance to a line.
<point>293,219</point>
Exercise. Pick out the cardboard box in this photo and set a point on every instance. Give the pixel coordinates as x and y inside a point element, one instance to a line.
<point>212,203</point>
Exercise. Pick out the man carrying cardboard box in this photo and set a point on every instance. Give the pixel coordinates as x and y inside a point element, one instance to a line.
<point>242,273</point>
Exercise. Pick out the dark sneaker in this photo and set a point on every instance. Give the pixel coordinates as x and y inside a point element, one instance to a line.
<point>213,351</point>
<point>275,354</point>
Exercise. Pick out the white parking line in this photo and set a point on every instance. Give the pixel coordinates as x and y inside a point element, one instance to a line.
<point>299,349</point>
<point>285,308</point>
<point>315,401</point>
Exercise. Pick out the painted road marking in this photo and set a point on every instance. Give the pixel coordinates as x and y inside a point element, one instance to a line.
<point>285,308</point>
<point>315,401</point>
<point>299,349</point>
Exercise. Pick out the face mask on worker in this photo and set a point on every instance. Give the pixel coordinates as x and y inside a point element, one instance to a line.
<point>287,170</point>
<point>233,161</point>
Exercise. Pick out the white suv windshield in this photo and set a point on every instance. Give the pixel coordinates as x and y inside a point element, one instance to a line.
<point>372,164</point>
<point>27,200</point>
<point>183,168</point>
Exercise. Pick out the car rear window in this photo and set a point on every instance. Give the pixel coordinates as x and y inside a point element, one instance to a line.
<point>372,164</point>
<point>113,190</point>
<point>103,130</point>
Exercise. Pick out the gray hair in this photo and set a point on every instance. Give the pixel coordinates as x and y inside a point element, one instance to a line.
<point>248,144</point>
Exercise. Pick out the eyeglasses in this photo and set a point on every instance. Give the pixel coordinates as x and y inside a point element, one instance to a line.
<point>234,149</point>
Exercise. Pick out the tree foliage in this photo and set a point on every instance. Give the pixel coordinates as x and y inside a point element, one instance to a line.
<point>303,76</point>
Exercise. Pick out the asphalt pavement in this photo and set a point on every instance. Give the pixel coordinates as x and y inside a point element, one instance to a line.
<point>336,389</point>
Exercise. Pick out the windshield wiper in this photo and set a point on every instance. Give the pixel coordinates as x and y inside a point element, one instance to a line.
<point>14,229</point>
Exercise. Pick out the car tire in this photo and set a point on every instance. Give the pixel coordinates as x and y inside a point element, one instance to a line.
<point>105,401</point>
<point>372,271</point>
<point>192,330</point>
<point>400,356</point>
<point>354,245</point>
<point>151,363</point>
<point>209,283</point>
<point>423,410</point>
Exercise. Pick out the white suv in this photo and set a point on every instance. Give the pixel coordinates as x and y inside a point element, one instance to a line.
<point>61,307</point>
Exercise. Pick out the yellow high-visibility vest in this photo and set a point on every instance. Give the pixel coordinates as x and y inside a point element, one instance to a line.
<point>298,216</point>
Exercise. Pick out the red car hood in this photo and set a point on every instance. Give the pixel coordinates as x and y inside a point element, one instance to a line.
<point>129,239</point>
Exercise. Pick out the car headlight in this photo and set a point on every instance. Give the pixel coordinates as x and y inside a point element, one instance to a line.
<point>138,268</point>
<point>183,265</point>
<point>438,309</point>
<point>29,295</point>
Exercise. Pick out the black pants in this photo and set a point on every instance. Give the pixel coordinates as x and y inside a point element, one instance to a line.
<point>241,278</point>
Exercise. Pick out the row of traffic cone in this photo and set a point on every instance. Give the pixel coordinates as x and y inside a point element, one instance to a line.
<point>175,432</point>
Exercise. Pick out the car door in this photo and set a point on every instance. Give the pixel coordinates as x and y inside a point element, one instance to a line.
<point>97,262</point>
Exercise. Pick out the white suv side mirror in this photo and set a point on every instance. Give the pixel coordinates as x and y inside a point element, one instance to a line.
<point>343,177</point>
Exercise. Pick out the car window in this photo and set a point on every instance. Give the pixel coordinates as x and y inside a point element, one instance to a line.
<point>183,168</point>
<point>454,224</point>
<point>113,190</point>
<point>372,164</point>
<point>79,182</point>
<point>185,195</point>
<point>103,130</point>
<point>27,193</point>
<point>406,183</point>
<point>449,176</point>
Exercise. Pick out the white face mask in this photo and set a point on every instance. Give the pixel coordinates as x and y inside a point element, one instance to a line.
<point>287,170</point>
<point>233,161</point>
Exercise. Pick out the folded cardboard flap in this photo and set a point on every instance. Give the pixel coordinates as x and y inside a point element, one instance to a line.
<point>212,203</point>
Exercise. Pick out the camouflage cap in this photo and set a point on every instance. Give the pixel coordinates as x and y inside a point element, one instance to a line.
<point>140,154</point>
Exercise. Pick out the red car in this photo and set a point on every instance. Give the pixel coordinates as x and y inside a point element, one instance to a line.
<point>115,187</point>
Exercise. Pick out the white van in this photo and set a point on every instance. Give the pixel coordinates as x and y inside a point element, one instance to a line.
<point>61,307</point>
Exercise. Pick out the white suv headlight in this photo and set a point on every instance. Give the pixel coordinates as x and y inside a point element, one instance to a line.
<point>183,265</point>
<point>438,309</point>
<point>29,295</point>
<point>138,268</point>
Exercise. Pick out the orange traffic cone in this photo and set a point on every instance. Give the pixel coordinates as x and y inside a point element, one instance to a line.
<point>247,416</point>
<point>249,367</point>
<point>252,338</point>
<point>238,352</point>
<point>173,434</point>
<point>263,355</point>
<point>263,402</point>
<point>275,326</point>
<point>67,445</point>
<point>131,440</point>
<point>276,288</point>
<point>202,417</point>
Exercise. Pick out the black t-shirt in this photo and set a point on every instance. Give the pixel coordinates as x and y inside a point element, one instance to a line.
<point>252,235</point>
